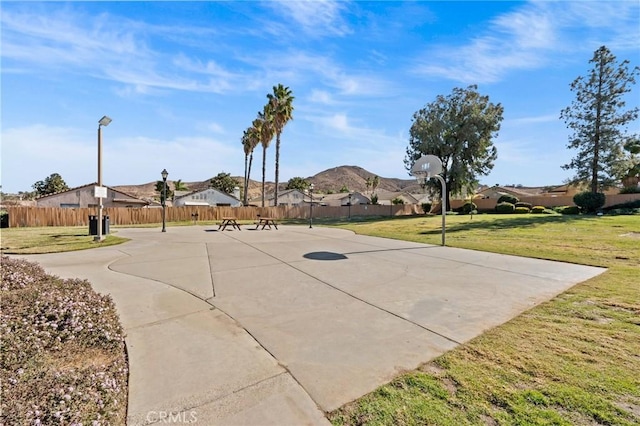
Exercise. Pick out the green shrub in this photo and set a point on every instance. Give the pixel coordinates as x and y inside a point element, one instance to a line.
<point>507,198</point>
<point>538,209</point>
<point>505,208</point>
<point>523,204</point>
<point>617,212</point>
<point>549,211</point>
<point>589,202</point>
<point>521,210</point>
<point>628,205</point>
<point>570,210</point>
<point>426,207</point>
<point>397,201</point>
<point>4,219</point>
<point>467,208</point>
<point>630,190</point>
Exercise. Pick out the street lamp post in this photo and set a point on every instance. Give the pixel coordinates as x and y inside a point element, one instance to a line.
<point>104,121</point>
<point>311,206</point>
<point>164,174</point>
<point>350,206</point>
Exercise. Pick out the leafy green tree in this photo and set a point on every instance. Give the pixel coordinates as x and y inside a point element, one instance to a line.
<point>223,182</point>
<point>598,119</point>
<point>633,159</point>
<point>374,199</point>
<point>298,183</point>
<point>281,106</point>
<point>344,189</point>
<point>159,190</point>
<point>50,185</point>
<point>458,129</point>
<point>264,124</point>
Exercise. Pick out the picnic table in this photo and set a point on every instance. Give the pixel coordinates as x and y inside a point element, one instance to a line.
<point>266,221</point>
<point>226,221</point>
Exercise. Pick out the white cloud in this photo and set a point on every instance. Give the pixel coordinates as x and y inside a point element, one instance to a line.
<point>34,152</point>
<point>317,17</point>
<point>531,37</point>
<point>548,118</point>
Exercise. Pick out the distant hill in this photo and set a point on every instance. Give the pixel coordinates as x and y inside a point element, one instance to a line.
<point>353,177</point>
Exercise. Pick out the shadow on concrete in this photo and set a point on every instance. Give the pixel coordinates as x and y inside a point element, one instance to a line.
<point>324,255</point>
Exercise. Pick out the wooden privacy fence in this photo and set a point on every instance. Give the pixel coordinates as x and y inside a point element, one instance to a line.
<point>54,216</point>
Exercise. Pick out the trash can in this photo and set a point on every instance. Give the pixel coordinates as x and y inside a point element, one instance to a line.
<point>93,225</point>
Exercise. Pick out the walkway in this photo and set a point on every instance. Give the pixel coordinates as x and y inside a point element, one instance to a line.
<point>279,326</point>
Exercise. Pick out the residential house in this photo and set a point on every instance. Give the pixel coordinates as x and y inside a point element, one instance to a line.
<point>344,198</point>
<point>288,197</point>
<point>84,196</point>
<point>495,192</point>
<point>207,197</point>
<point>387,197</point>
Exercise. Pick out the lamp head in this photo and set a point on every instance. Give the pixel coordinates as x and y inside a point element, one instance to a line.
<point>104,121</point>
<point>164,174</point>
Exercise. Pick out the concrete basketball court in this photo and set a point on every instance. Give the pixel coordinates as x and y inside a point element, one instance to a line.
<point>259,327</point>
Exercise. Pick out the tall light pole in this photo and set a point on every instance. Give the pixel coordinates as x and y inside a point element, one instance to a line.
<point>164,174</point>
<point>311,206</point>
<point>104,121</point>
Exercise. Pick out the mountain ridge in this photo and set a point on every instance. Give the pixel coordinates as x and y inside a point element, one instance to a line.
<point>329,180</point>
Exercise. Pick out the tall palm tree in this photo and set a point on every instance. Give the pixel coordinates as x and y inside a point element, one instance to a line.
<point>179,185</point>
<point>250,139</point>
<point>265,119</point>
<point>281,104</point>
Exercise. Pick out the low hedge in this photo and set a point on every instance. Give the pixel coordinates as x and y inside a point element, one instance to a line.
<point>505,208</point>
<point>538,209</point>
<point>63,354</point>
<point>523,204</point>
<point>570,210</point>
<point>507,198</point>
<point>521,210</point>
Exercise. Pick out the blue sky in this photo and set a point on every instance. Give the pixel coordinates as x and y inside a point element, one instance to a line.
<point>183,80</point>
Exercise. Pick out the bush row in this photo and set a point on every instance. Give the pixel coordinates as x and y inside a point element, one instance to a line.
<point>63,354</point>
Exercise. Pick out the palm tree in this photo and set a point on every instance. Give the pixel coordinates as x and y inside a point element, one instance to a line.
<point>281,105</point>
<point>250,139</point>
<point>374,183</point>
<point>265,123</point>
<point>179,186</point>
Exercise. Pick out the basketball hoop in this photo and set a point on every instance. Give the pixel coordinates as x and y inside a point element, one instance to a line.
<point>427,167</point>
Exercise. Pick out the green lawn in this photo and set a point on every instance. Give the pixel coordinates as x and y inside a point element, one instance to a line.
<point>574,360</point>
<point>51,240</point>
